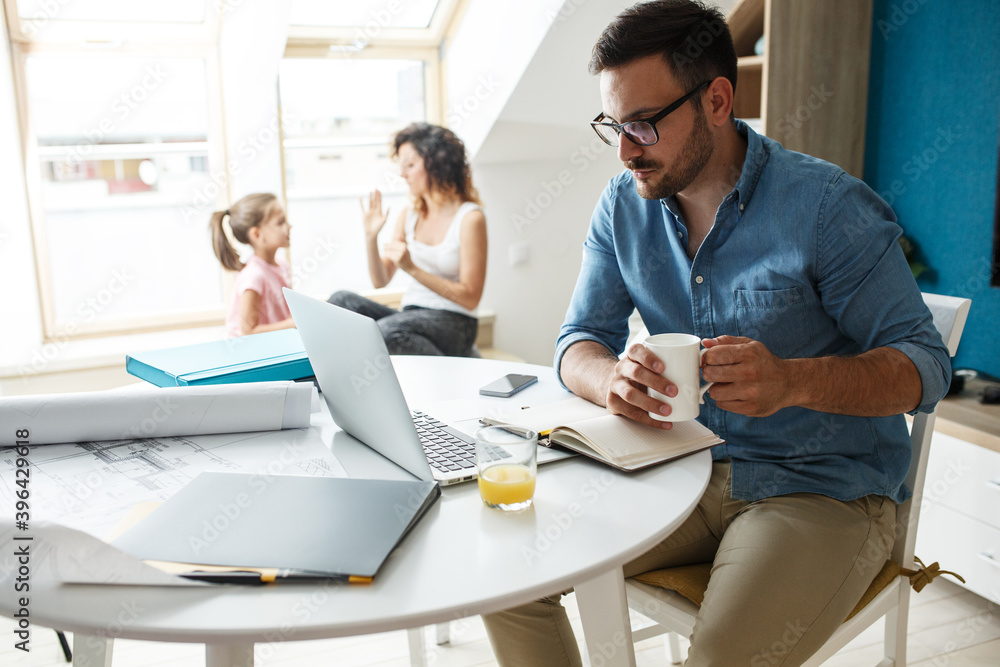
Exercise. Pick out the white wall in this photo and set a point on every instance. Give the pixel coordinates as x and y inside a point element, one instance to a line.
<point>539,169</point>
<point>486,58</point>
<point>251,45</point>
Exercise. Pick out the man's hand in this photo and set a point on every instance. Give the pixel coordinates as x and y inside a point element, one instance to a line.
<point>749,379</point>
<point>627,391</point>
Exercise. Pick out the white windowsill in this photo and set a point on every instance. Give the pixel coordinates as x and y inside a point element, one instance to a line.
<point>107,351</point>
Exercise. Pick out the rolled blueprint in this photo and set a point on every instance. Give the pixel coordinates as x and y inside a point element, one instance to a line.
<point>153,412</point>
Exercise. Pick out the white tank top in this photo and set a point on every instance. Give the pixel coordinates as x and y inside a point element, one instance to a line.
<point>441,260</point>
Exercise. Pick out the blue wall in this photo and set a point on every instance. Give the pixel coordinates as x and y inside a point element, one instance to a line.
<point>931,148</point>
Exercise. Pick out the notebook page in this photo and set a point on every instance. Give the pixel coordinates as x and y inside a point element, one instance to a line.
<point>561,413</point>
<point>624,439</point>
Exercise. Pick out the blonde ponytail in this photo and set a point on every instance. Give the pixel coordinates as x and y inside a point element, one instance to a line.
<point>224,250</point>
<point>249,212</point>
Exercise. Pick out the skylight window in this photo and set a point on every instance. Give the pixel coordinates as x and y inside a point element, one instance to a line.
<point>175,11</point>
<point>364,13</point>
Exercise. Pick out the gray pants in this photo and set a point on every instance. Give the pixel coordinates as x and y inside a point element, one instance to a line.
<point>415,330</point>
<point>786,573</point>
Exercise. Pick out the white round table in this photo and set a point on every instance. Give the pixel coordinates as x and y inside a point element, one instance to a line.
<point>460,560</point>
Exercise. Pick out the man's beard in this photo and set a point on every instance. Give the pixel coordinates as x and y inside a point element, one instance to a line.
<point>690,161</point>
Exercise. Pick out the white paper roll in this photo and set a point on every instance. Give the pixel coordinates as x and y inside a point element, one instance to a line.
<point>153,412</point>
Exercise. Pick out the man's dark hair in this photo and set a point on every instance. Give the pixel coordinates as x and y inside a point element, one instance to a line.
<point>693,39</point>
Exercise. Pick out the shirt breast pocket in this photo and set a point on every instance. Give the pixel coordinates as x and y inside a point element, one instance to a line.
<point>779,318</point>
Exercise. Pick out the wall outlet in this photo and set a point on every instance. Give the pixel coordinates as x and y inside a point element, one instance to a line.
<point>517,254</point>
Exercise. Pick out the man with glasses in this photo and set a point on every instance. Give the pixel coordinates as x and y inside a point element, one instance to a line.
<point>818,340</point>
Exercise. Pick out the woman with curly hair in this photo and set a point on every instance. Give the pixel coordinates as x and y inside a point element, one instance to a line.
<point>440,241</point>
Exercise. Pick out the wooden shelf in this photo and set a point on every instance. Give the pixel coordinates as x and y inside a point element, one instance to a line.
<point>810,88</point>
<point>749,62</point>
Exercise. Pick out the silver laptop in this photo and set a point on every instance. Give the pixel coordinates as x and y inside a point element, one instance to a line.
<point>352,366</point>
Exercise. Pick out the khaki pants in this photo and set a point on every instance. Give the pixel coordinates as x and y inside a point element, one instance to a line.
<point>786,573</point>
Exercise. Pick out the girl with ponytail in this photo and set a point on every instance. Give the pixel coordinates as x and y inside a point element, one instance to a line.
<point>258,305</point>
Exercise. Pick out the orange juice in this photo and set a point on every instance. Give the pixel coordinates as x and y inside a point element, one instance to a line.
<point>508,486</point>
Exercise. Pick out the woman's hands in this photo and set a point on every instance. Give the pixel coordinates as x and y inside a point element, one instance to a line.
<point>397,253</point>
<point>372,216</point>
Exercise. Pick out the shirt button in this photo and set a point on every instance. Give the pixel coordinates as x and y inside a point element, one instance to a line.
<point>680,235</point>
<point>742,206</point>
<point>699,279</point>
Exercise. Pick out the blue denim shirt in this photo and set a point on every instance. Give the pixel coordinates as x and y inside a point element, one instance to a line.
<point>802,257</point>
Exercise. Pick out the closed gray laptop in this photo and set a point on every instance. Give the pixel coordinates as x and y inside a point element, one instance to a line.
<point>324,526</point>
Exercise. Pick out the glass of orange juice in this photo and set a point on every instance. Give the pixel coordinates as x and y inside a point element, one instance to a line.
<point>505,457</point>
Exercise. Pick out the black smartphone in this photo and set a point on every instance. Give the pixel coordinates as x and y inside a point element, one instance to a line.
<point>508,385</point>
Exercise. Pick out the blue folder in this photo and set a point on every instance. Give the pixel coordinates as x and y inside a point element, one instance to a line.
<point>275,355</point>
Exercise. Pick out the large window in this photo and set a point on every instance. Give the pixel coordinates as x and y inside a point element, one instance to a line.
<point>338,116</point>
<point>121,127</point>
<point>121,111</point>
<point>122,155</point>
<point>353,74</point>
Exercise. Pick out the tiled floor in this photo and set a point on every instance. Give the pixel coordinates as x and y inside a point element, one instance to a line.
<point>948,627</point>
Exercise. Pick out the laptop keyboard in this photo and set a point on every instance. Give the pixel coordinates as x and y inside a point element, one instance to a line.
<point>447,449</point>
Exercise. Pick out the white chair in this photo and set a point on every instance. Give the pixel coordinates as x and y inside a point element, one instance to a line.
<point>675,614</point>
<point>418,648</point>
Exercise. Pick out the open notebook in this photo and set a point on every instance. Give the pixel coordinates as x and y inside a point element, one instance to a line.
<point>589,429</point>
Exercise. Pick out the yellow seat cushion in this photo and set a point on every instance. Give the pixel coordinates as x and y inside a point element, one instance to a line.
<point>691,581</point>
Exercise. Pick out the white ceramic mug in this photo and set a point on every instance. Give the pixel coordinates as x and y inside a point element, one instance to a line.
<point>681,356</point>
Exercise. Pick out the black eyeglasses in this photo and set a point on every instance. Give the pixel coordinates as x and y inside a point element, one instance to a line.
<point>641,132</point>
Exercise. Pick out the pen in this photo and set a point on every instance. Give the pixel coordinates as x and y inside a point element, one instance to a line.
<point>486,421</point>
<point>253,578</point>
<point>244,577</point>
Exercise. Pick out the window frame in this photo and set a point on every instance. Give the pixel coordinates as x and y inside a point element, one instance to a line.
<point>442,22</point>
<point>192,42</point>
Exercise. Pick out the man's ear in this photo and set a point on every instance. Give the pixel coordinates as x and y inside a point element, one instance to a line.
<point>720,100</point>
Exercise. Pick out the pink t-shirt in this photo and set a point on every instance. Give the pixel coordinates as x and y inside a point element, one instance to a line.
<point>267,280</point>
